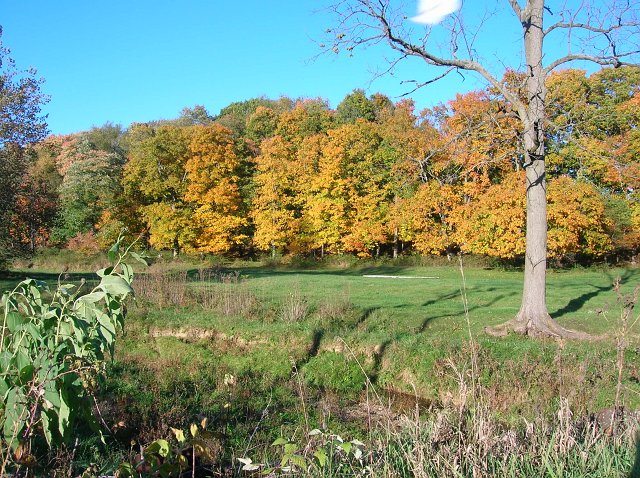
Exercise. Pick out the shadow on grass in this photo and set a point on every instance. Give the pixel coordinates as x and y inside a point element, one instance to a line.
<point>266,271</point>
<point>377,360</point>
<point>313,349</point>
<point>48,277</point>
<point>574,305</point>
<point>366,313</point>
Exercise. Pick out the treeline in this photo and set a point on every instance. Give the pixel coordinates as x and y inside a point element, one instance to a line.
<point>370,177</point>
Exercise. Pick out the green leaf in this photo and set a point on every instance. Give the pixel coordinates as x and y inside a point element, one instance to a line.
<point>126,470</point>
<point>279,441</point>
<point>64,413</point>
<point>14,319</point>
<point>5,360</point>
<point>47,427</point>
<point>26,373</point>
<point>159,447</point>
<point>104,272</point>
<point>13,422</point>
<point>93,297</point>
<point>33,331</point>
<point>179,434</point>
<point>22,359</point>
<point>115,285</point>
<point>346,447</point>
<point>4,388</point>
<point>321,456</point>
<point>138,258</point>
<point>290,448</point>
<point>299,461</point>
<point>112,254</point>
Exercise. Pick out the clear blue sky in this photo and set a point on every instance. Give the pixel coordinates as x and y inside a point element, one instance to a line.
<point>130,61</point>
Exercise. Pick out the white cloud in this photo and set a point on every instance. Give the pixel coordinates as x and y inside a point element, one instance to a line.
<point>431,12</point>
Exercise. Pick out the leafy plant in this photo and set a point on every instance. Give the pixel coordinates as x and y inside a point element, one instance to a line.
<point>53,345</point>
<point>324,453</point>
<point>160,458</point>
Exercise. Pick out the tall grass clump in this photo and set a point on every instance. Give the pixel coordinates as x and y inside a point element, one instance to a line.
<point>225,293</point>
<point>163,289</point>
<point>295,307</point>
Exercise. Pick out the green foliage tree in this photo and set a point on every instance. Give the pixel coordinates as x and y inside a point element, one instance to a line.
<point>155,181</point>
<point>90,186</point>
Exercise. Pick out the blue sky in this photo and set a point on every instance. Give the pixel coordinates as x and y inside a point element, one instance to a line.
<point>137,60</point>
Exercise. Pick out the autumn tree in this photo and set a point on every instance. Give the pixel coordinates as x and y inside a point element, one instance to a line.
<point>212,191</point>
<point>21,123</point>
<point>36,201</point>
<point>276,207</point>
<point>89,186</point>
<point>604,33</point>
<point>155,181</point>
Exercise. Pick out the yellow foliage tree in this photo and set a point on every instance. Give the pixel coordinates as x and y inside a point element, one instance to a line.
<point>212,189</point>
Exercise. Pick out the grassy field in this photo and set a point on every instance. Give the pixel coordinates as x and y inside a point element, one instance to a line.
<point>268,351</point>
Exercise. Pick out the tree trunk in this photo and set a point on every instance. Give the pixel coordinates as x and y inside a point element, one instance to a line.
<point>533,319</point>
<point>395,243</point>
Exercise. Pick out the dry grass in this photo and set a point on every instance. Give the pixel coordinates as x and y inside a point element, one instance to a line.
<point>295,307</point>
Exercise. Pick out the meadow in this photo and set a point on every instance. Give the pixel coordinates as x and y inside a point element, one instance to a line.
<point>268,351</point>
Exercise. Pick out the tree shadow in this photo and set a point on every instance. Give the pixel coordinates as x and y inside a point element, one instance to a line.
<point>577,303</point>
<point>425,323</point>
<point>313,349</point>
<point>574,305</point>
<point>366,313</point>
<point>378,355</point>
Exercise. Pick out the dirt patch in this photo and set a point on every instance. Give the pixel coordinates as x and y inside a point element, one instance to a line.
<point>196,334</point>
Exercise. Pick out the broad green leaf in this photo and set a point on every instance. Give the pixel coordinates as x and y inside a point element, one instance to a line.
<point>138,258</point>
<point>14,319</point>
<point>112,254</point>
<point>4,388</point>
<point>33,331</point>
<point>22,359</point>
<point>47,426</point>
<point>26,373</point>
<point>93,297</point>
<point>299,461</point>
<point>13,422</point>
<point>64,414</point>
<point>5,360</point>
<point>290,448</point>
<point>159,447</point>
<point>126,470</point>
<point>321,456</point>
<point>115,285</point>
<point>346,447</point>
<point>127,272</point>
<point>104,272</point>
<point>179,434</point>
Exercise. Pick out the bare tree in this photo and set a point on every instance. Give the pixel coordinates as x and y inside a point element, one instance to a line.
<point>604,32</point>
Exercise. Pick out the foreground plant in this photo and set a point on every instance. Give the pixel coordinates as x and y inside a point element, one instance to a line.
<point>53,346</point>
<point>324,454</point>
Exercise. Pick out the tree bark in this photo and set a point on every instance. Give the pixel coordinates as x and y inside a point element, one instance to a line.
<point>533,318</point>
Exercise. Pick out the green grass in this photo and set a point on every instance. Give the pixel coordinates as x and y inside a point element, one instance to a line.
<point>403,332</point>
<point>405,338</point>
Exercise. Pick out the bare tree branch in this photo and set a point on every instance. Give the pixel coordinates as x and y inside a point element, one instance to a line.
<point>615,61</point>
<point>516,8</point>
